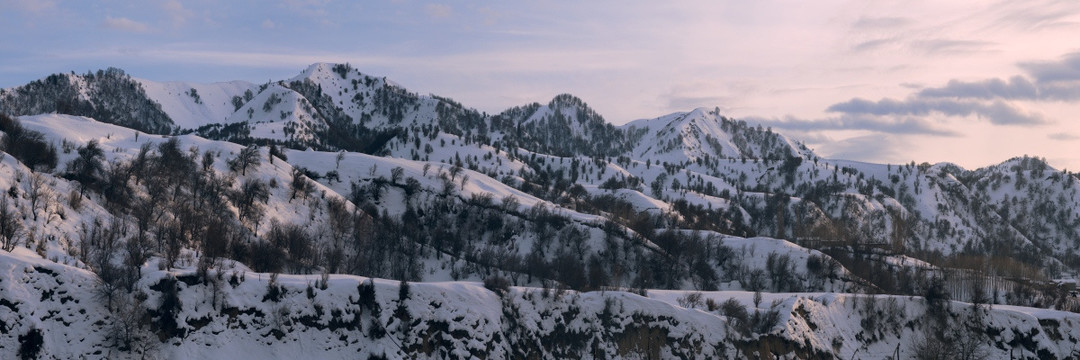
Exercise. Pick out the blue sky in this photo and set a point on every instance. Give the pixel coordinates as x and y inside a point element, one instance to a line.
<point>970,82</point>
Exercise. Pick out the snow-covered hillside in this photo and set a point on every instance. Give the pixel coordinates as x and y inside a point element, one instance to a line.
<point>706,134</point>
<point>235,313</point>
<point>119,183</point>
<point>193,105</point>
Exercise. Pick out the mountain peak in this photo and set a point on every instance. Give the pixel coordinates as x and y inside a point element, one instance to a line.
<point>324,70</point>
<point>566,100</point>
<point>323,67</point>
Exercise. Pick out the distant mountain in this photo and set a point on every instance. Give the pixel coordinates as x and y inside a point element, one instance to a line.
<point>110,95</point>
<point>335,171</point>
<point>775,185</point>
<point>707,135</point>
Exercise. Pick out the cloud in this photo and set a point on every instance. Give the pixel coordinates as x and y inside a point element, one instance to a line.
<point>997,112</point>
<point>809,137</point>
<point>951,47</point>
<point>503,62</point>
<point>1045,81</point>
<point>993,99</point>
<point>872,44</point>
<point>176,12</point>
<point>267,24</point>
<point>438,11</point>
<point>125,24</point>
<point>1065,69</point>
<point>873,148</point>
<point>1017,87</point>
<point>885,22</point>
<point>263,59</point>
<point>891,125</point>
<point>1035,17</point>
<point>1063,136</point>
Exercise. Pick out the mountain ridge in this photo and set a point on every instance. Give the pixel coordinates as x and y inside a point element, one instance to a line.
<point>338,172</point>
<point>336,107</point>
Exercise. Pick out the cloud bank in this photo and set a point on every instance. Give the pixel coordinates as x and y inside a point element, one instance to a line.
<point>996,100</point>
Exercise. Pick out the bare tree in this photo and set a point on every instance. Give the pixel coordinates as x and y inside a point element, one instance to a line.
<point>247,200</point>
<point>9,226</point>
<point>945,339</point>
<point>39,193</point>
<point>295,241</point>
<point>339,216</point>
<point>248,157</point>
<point>396,174</point>
<point>300,184</point>
<point>128,332</point>
<point>98,244</point>
<point>115,186</point>
<point>341,223</point>
<point>454,171</point>
<point>136,253</point>
<point>88,165</point>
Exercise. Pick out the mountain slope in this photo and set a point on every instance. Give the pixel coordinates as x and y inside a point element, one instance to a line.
<point>236,313</point>
<point>337,172</point>
<point>110,95</point>
<point>746,179</point>
<point>703,134</point>
<point>192,105</point>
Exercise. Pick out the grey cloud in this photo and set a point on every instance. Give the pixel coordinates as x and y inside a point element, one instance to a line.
<point>905,125</point>
<point>1060,91</point>
<point>1066,69</point>
<point>808,137</point>
<point>1033,17</point>
<point>1046,81</point>
<point>1063,136</point>
<point>1016,87</point>
<point>946,46</point>
<point>997,112</point>
<point>872,44</point>
<point>865,23</point>
<point>873,147</point>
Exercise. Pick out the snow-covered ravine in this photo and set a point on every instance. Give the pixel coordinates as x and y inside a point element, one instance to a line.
<point>234,313</point>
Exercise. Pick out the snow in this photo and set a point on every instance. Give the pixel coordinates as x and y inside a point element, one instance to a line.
<point>59,300</point>
<point>215,105</point>
<point>690,147</point>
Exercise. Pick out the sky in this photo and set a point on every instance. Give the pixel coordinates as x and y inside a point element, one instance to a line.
<point>968,82</point>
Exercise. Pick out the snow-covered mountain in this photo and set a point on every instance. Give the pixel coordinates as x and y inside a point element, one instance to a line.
<point>107,94</point>
<point>125,183</point>
<point>707,135</point>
